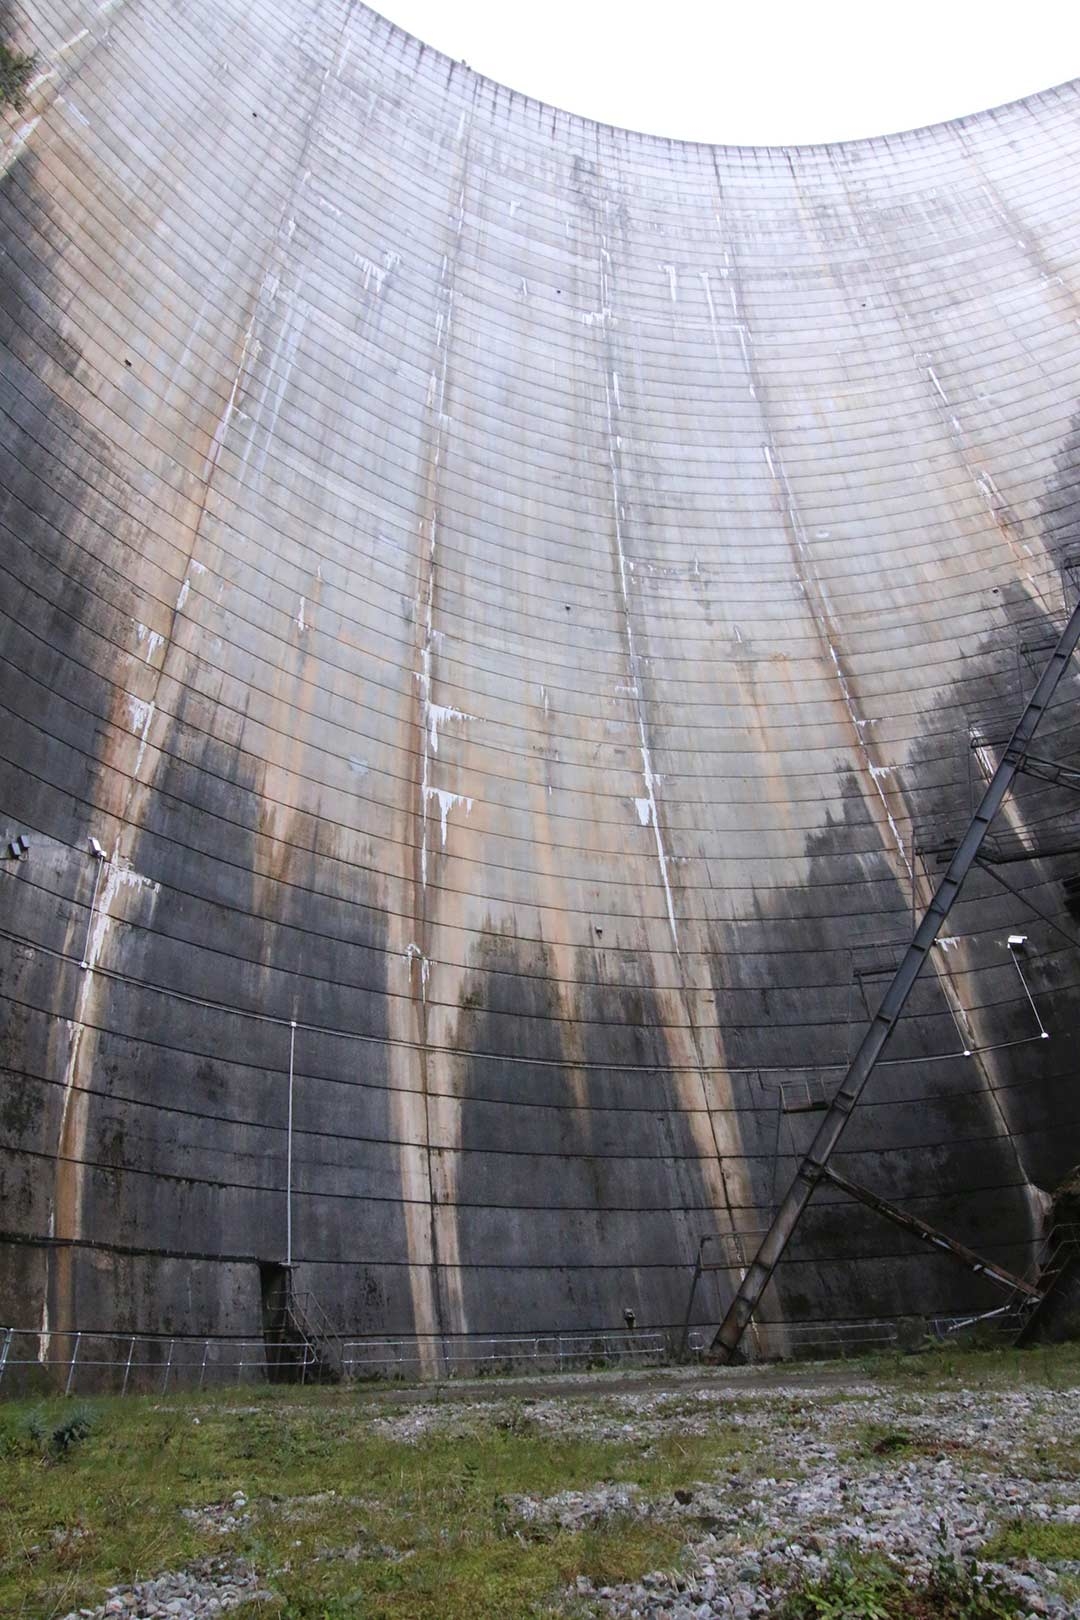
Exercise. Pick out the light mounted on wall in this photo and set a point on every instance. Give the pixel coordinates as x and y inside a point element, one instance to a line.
<point>99,858</point>
<point>18,848</point>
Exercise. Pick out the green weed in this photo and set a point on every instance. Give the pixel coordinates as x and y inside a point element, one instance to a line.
<point>16,70</point>
<point>860,1588</point>
<point>1042,1539</point>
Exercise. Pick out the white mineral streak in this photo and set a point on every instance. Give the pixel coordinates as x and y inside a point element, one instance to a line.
<point>613,404</point>
<point>739,324</point>
<point>300,625</point>
<point>375,274</point>
<point>412,953</point>
<point>119,876</point>
<point>447,801</point>
<point>183,596</point>
<point>151,638</point>
<point>877,774</point>
<point>142,716</point>
<point>436,714</point>
<point>250,349</point>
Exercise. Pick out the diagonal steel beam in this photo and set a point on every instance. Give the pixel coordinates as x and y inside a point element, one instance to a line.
<point>931,1234</point>
<point>1049,770</point>
<point>809,1172</point>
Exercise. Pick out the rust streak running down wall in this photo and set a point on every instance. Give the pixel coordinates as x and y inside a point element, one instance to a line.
<point>514,596</point>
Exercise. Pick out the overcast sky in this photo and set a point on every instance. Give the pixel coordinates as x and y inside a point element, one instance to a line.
<point>747,71</point>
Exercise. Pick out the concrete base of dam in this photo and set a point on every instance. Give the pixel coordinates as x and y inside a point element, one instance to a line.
<point>518,604</point>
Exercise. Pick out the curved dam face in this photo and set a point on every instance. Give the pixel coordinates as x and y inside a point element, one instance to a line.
<point>514,601</point>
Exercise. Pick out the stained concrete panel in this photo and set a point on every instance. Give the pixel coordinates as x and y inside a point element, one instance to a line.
<point>514,597</point>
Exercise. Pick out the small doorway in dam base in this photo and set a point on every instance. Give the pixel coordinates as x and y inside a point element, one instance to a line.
<point>302,1345</point>
<point>284,1353</point>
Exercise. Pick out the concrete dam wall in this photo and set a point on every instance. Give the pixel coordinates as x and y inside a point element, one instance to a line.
<point>519,604</point>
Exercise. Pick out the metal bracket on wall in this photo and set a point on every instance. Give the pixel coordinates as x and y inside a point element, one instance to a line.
<point>813,1166</point>
<point>1046,770</point>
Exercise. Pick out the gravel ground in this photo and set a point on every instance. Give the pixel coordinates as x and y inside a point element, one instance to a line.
<point>811,1473</point>
<point>213,1586</point>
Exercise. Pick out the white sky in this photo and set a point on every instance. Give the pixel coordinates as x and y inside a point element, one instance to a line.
<point>759,71</point>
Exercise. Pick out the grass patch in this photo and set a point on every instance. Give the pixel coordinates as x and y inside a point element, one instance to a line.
<point>874,1589</point>
<point>885,1442</point>
<point>417,1531</point>
<point>1047,1541</point>
<point>946,1365</point>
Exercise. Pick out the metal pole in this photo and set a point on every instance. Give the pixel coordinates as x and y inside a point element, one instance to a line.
<point>127,1369</point>
<point>808,1174</point>
<point>71,1369</point>
<point>9,1334</point>
<point>288,1150</point>
<point>1043,1033</point>
<point>99,862</point>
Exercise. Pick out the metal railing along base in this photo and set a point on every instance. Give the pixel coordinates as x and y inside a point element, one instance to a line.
<point>89,1363</point>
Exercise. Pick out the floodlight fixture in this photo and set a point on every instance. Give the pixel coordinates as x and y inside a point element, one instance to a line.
<point>1017,942</point>
<point>95,849</point>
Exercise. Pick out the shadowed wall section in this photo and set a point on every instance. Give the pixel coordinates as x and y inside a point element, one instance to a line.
<point>512,596</point>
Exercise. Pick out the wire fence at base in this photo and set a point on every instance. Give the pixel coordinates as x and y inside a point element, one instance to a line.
<point>83,1363</point>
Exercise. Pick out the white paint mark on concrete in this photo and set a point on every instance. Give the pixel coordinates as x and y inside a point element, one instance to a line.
<point>673,284</point>
<point>644,811</point>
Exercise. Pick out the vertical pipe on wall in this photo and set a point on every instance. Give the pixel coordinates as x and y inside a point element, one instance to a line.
<point>288,1148</point>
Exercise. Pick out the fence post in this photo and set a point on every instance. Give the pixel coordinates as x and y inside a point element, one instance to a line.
<point>202,1370</point>
<point>168,1367</point>
<point>71,1369</point>
<point>127,1369</point>
<point>9,1334</point>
